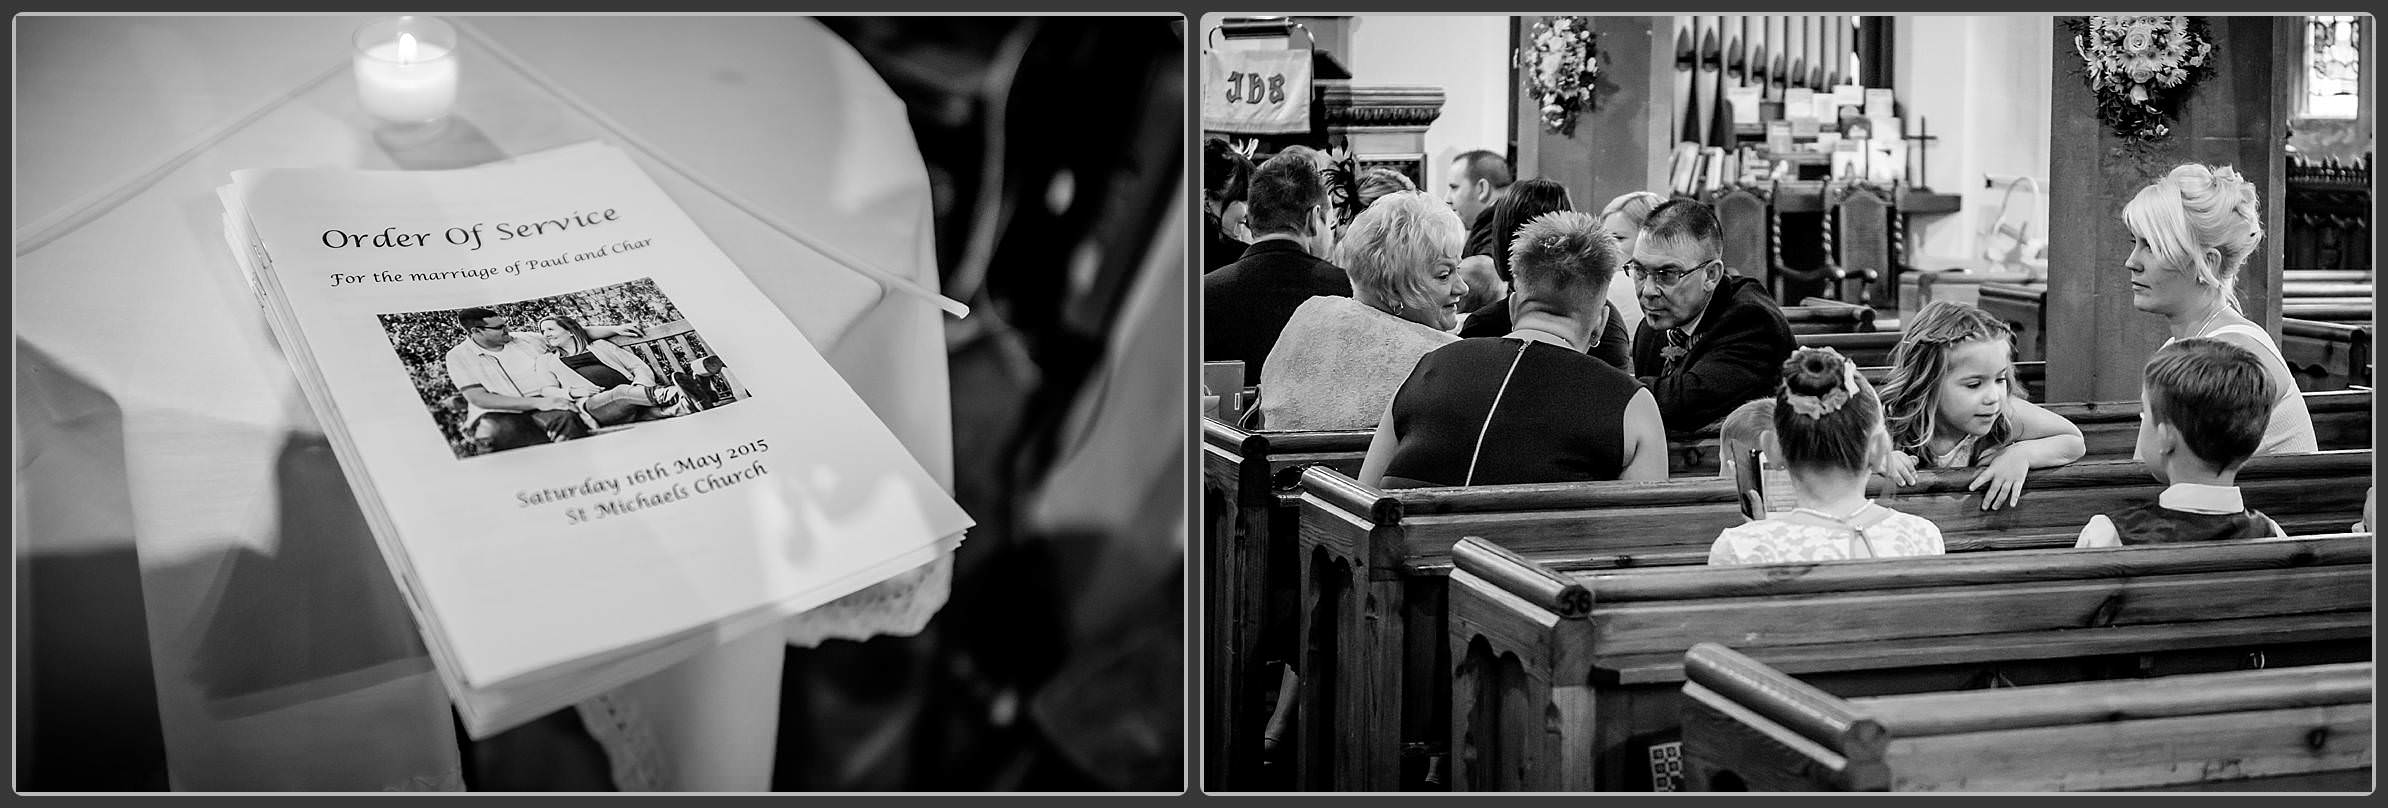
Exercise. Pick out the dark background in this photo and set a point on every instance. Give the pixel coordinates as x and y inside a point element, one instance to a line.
<point>1053,666</point>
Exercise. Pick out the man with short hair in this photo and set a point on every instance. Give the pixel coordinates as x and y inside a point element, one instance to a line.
<point>513,398</point>
<point>1477,180</point>
<point>1709,339</point>
<point>1245,305</point>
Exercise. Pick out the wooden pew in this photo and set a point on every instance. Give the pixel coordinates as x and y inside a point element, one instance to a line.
<point>1961,286</point>
<point>1248,555</point>
<point>2019,306</point>
<point>2326,276</point>
<point>1373,563</point>
<point>1573,681</point>
<point>2332,309</point>
<point>1253,508</point>
<point>1749,727</point>
<point>2110,429</point>
<point>2303,290</point>
<point>1821,316</point>
<point>1869,348</point>
<point>2327,355</point>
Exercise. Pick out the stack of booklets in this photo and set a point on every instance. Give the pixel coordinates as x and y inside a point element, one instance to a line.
<point>587,445</point>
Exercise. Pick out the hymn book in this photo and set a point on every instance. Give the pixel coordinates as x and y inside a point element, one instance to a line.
<point>565,517</point>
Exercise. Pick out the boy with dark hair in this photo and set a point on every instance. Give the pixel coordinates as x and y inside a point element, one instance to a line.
<point>2207,402</point>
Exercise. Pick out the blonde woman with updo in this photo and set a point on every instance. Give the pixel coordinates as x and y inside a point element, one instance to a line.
<point>2191,234</point>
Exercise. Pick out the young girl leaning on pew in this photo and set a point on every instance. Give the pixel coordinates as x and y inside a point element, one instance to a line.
<point>1827,431</point>
<point>1951,402</point>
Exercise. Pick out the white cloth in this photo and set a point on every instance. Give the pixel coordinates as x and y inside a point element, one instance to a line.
<point>1338,363</point>
<point>2186,497</point>
<point>1800,535</point>
<point>212,464</point>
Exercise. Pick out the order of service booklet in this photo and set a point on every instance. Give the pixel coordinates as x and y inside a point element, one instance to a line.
<point>587,445</point>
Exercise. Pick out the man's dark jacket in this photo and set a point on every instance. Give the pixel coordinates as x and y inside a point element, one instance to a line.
<point>1481,238</point>
<point>1736,355</point>
<point>1245,304</point>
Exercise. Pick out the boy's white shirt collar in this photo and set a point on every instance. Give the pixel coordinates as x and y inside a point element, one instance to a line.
<point>2198,498</point>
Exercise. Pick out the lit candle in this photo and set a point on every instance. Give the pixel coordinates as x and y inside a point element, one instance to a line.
<point>406,69</point>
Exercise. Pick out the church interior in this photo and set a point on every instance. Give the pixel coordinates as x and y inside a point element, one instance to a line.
<point>1870,174</point>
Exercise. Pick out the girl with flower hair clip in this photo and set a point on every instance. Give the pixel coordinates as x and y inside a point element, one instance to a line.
<point>1828,434</point>
<point>1950,403</point>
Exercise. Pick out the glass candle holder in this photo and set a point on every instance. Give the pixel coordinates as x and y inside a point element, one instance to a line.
<point>406,69</point>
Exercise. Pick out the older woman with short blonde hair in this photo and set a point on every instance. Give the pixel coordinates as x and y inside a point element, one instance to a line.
<point>1339,359</point>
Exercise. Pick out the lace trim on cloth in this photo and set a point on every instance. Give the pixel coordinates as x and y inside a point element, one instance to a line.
<point>899,606</point>
<point>637,760</point>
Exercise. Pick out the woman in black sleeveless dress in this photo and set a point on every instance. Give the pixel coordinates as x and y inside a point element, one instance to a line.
<point>1530,406</point>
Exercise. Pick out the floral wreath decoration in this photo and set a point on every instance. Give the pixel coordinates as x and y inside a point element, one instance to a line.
<point>2141,68</point>
<point>1560,66</point>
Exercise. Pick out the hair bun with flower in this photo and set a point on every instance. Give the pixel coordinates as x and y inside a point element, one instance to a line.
<point>1817,381</point>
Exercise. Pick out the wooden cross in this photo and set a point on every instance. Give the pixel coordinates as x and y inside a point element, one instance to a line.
<point>1916,142</point>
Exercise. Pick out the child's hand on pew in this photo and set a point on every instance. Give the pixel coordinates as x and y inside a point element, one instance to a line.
<point>1897,467</point>
<point>2002,480</point>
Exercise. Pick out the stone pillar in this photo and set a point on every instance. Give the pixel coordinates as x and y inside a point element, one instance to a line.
<point>1381,125</point>
<point>1621,143</point>
<point>2097,343</point>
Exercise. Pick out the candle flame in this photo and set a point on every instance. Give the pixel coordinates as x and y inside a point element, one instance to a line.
<point>406,48</point>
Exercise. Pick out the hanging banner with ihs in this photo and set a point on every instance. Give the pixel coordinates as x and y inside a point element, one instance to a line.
<point>1256,92</point>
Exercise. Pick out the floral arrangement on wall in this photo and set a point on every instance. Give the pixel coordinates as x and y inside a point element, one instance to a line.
<point>1560,65</point>
<point>2142,68</point>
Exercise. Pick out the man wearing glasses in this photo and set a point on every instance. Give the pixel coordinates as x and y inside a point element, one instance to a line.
<point>513,397</point>
<point>1714,339</point>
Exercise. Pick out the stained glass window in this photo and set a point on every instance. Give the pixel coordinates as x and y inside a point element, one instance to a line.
<point>2333,61</point>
